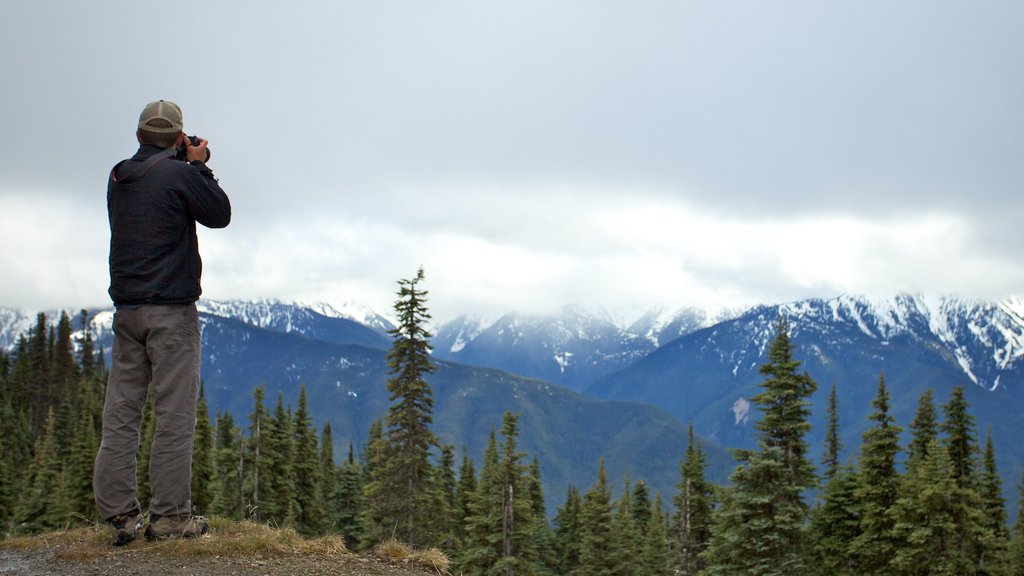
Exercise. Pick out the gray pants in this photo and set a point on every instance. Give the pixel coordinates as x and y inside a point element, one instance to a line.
<point>156,345</point>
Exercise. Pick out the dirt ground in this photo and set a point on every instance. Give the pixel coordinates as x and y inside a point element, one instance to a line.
<point>38,562</point>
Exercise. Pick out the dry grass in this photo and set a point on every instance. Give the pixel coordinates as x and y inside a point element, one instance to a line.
<point>227,538</point>
<point>394,550</point>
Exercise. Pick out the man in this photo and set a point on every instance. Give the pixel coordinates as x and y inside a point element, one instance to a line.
<point>154,201</point>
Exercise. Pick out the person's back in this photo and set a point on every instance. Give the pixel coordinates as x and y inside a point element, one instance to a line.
<point>154,201</point>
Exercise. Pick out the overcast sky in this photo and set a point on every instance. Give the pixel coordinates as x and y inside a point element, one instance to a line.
<point>531,154</point>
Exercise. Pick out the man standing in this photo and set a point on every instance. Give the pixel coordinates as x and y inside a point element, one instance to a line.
<point>154,201</point>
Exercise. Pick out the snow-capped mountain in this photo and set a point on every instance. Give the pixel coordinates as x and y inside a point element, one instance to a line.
<point>915,342</point>
<point>572,347</point>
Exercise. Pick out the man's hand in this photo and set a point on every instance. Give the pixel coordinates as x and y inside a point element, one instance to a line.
<point>193,153</point>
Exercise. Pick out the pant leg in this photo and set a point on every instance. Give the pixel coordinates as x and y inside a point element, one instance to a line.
<point>114,481</point>
<point>173,345</point>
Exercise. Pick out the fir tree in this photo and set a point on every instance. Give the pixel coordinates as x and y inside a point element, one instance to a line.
<point>40,505</point>
<point>259,420</point>
<point>760,528</point>
<point>595,557</point>
<point>278,470</point>
<point>404,499</point>
<point>1016,553</point>
<point>202,457</point>
<point>878,488</point>
<point>836,522</point>
<point>447,484</point>
<point>329,479</point>
<point>924,428</point>
<point>306,470</point>
<point>693,505</point>
<point>654,553</point>
<point>228,461</point>
<point>568,529</point>
<point>961,438</point>
<point>483,546</point>
<point>833,444</point>
<point>640,507</point>
<point>349,500</point>
<point>996,539</point>
<point>926,517</point>
<point>625,536</point>
<point>464,498</point>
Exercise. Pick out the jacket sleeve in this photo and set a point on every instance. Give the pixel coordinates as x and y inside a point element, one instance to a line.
<point>207,202</point>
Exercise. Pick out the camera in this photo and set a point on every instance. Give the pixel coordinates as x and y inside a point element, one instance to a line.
<point>194,140</point>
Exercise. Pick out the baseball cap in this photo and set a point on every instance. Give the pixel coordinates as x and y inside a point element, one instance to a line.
<point>161,110</point>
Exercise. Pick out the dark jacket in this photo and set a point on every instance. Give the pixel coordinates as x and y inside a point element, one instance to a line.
<point>154,251</point>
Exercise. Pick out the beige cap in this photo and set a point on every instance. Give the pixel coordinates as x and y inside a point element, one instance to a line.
<point>162,110</point>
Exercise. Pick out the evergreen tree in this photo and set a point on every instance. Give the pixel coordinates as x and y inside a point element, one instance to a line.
<point>464,498</point>
<point>568,530</point>
<point>329,477</point>
<point>403,497</point>
<point>996,539</point>
<point>625,537</point>
<point>760,528</point>
<point>483,546</point>
<point>279,499</point>
<point>258,457</point>
<point>694,502</point>
<point>1016,553</point>
<point>926,516</point>
<point>543,538</point>
<point>202,457</point>
<point>878,488</point>
<point>349,500</point>
<point>595,557</point>
<point>306,470</point>
<point>961,438</point>
<point>833,444</point>
<point>836,524</point>
<point>924,428</point>
<point>228,462</point>
<point>654,553</point>
<point>640,507</point>
<point>448,485</point>
<point>40,505</point>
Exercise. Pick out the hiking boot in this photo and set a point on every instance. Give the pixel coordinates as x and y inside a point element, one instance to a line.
<point>125,527</point>
<point>161,527</point>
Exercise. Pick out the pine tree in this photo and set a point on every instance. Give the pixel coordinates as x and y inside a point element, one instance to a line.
<point>543,539</point>
<point>640,504</point>
<point>203,457</point>
<point>693,505</point>
<point>760,528</point>
<point>596,543</point>
<point>924,428</point>
<point>403,496</point>
<point>833,444</point>
<point>878,488</point>
<point>307,469</point>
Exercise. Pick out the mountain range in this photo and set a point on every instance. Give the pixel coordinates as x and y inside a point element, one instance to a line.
<point>589,386</point>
